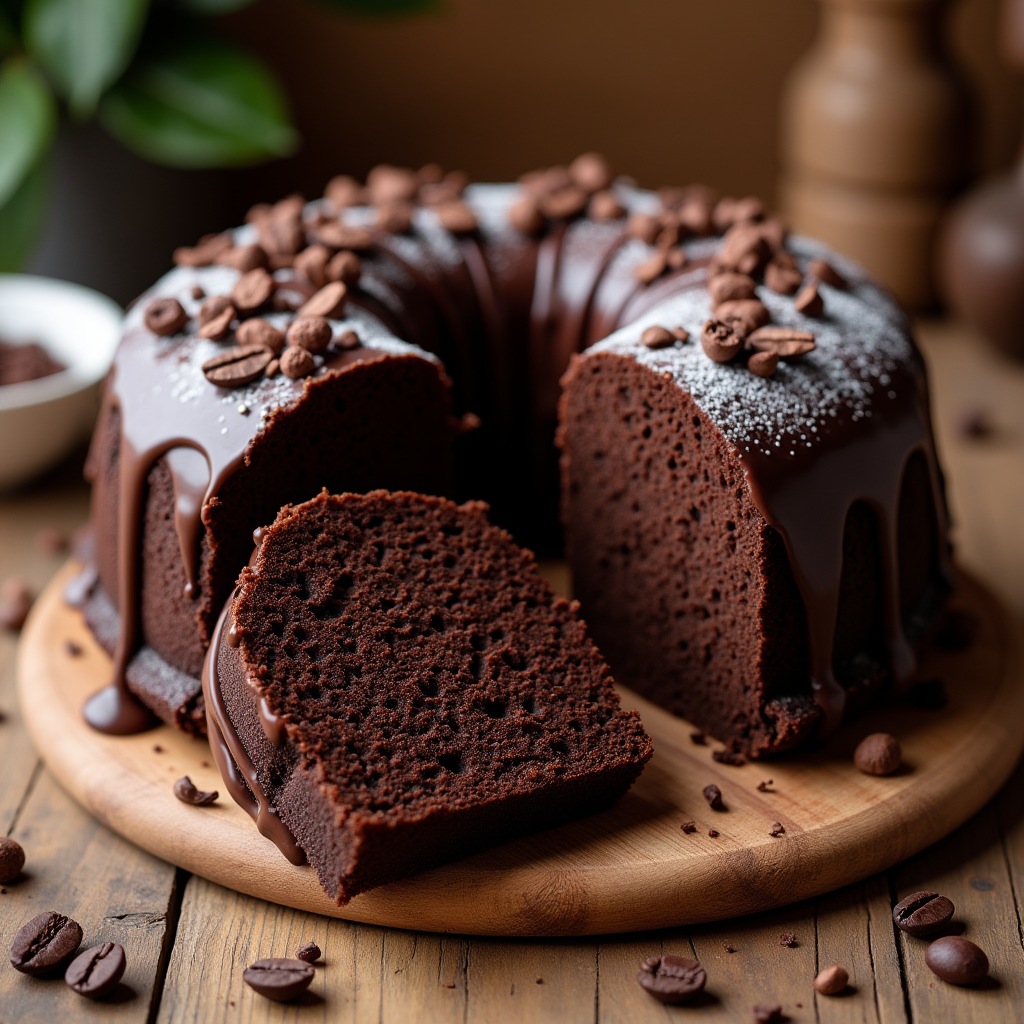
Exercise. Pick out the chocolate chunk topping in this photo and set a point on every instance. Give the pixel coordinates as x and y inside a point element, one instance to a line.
<point>605,206</point>
<point>826,273</point>
<point>347,340</point>
<point>328,302</point>
<point>785,342</point>
<point>751,312</point>
<point>185,790</point>
<point>808,301</point>
<point>278,978</point>
<point>45,944</point>
<point>165,316</point>
<point>763,364</point>
<point>259,332</point>
<point>96,972</point>
<point>297,362</point>
<point>782,279</point>
<point>657,337</point>
<point>252,290</point>
<point>591,172</point>
<point>671,979</point>
<point>878,754</point>
<point>713,795</point>
<point>729,285</point>
<point>310,332</point>
<point>311,264</point>
<point>346,267</point>
<point>237,366</point>
<point>722,340</point>
<point>923,913</point>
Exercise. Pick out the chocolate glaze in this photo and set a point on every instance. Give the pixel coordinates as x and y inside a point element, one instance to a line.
<point>581,287</point>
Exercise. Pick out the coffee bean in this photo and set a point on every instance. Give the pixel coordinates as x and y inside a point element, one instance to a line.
<point>328,302</point>
<point>957,960</point>
<point>345,236</point>
<point>763,364</point>
<point>252,290</point>
<point>671,979</point>
<point>644,227</point>
<point>729,285</point>
<point>808,301</point>
<point>272,368</point>
<point>832,980</point>
<point>651,269</point>
<point>605,206</point>
<point>343,191</point>
<point>259,332</point>
<point>785,342</point>
<point>45,943</point>
<point>768,1013</point>
<point>657,337</point>
<point>347,340</point>
<point>278,978</point>
<point>781,279</point>
<point>217,327</point>
<point>345,266</point>
<point>309,952</point>
<point>591,172</point>
<point>243,258</point>
<point>743,249</point>
<point>312,333</point>
<point>16,599</point>
<point>750,312</point>
<point>827,274</point>
<point>297,362</point>
<point>185,790</point>
<point>212,308</point>
<point>12,859</point>
<point>713,795</point>
<point>722,340</point>
<point>923,913</point>
<point>878,754</point>
<point>237,366</point>
<point>165,316</point>
<point>311,264</point>
<point>96,972</point>
<point>524,215</point>
<point>456,217</point>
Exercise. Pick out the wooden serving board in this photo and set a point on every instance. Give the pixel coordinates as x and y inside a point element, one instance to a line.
<point>630,868</point>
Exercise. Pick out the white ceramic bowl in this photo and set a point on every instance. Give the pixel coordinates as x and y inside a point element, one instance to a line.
<point>42,420</point>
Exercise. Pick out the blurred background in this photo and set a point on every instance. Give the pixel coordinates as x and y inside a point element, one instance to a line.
<point>251,100</point>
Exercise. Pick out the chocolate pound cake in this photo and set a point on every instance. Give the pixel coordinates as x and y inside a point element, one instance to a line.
<point>393,686</point>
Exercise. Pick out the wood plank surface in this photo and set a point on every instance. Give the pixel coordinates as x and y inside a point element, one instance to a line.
<point>373,974</point>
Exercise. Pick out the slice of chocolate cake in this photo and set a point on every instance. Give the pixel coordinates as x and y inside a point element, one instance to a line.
<point>393,685</point>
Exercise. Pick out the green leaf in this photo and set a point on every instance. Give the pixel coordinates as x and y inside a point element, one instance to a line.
<point>84,45</point>
<point>385,8</point>
<point>28,117</point>
<point>22,217</point>
<point>202,105</point>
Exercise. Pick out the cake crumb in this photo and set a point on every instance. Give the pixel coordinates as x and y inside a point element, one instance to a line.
<point>728,948</point>
<point>713,832</point>
<point>787,939</point>
<point>688,827</point>
<point>699,738</point>
<point>777,830</point>
<point>764,784</point>
<point>728,757</point>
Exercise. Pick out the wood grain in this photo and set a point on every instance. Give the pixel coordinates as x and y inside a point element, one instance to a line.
<point>628,868</point>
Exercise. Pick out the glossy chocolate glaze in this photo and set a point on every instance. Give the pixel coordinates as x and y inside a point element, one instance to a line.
<point>580,287</point>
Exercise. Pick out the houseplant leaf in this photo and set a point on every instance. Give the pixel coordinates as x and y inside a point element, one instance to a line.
<point>27,119</point>
<point>22,216</point>
<point>202,104</point>
<point>84,45</point>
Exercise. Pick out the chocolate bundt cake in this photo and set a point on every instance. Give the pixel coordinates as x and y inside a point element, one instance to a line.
<point>393,685</point>
<point>752,503</point>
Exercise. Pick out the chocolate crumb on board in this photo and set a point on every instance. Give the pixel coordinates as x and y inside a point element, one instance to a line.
<point>689,827</point>
<point>185,790</point>
<point>713,795</point>
<point>777,829</point>
<point>762,786</point>
<point>699,738</point>
<point>787,939</point>
<point>728,757</point>
<point>768,1013</point>
<point>728,948</point>
<point>714,833</point>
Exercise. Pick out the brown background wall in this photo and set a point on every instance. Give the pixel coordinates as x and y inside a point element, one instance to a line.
<point>670,90</point>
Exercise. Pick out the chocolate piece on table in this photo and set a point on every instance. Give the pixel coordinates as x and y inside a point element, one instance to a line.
<point>185,790</point>
<point>671,979</point>
<point>878,754</point>
<point>96,972</point>
<point>957,960</point>
<point>923,913</point>
<point>45,944</point>
<point>713,795</point>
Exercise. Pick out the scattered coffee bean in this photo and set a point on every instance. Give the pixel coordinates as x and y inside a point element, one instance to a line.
<point>312,333</point>
<point>923,913</point>
<point>252,290</point>
<point>165,316</point>
<point>832,980</point>
<point>713,795</point>
<point>457,217</point>
<point>297,362</point>
<point>217,328</point>
<point>768,1013</point>
<point>278,978</point>
<point>689,827</point>
<point>16,599</point>
<point>212,308</point>
<point>681,334</point>
<point>591,172</point>
<point>958,631</point>
<point>782,280</point>
<point>982,884</point>
<point>243,258</point>
<point>259,332</point>
<point>272,368</point>
<point>96,972</point>
<point>733,757</point>
<point>236,366</point>
<point>785,342</point>
<point>12,859</point>
<point>328,302</point>
<point>651,269</point>
<point>957,960</point>
<point>309,952</point>
<point>345,236</point>
<point>763,364</point>
<point>699,738</point>
<point>827,274</point>
<point>45,943</point>
<point>185,790</point>
<point>787,939</point>
<point>730,286</point>
<point>605,206</point>
<point>722,340</point>
<point>929,694</point>
<point>671,979</point>
<point>808,301</point>
<point>762,786</point>
<point>752,313</point>
<point>73,649</point>
<point>714,833</point>
<point>777,830</point>
<point>52,541</point>
<point>311,264</point>
<point>744,249</point>
<point>878,754</point>
<point>657,337</point>
<point>345,267</point>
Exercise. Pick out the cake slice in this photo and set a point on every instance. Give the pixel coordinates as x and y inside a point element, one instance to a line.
<point>393,685</point>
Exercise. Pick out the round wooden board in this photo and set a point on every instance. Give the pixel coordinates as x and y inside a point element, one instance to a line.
<point>627,869</point>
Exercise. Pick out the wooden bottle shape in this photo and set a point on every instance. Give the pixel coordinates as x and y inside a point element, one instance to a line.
<point>874,122</point>
<point>981,254</point>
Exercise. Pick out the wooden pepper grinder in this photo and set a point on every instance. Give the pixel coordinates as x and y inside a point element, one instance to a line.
<point>874,144</point>
<point>981,254</point>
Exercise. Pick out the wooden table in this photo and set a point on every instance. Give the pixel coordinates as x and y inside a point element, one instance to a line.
<point>187,940</point>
